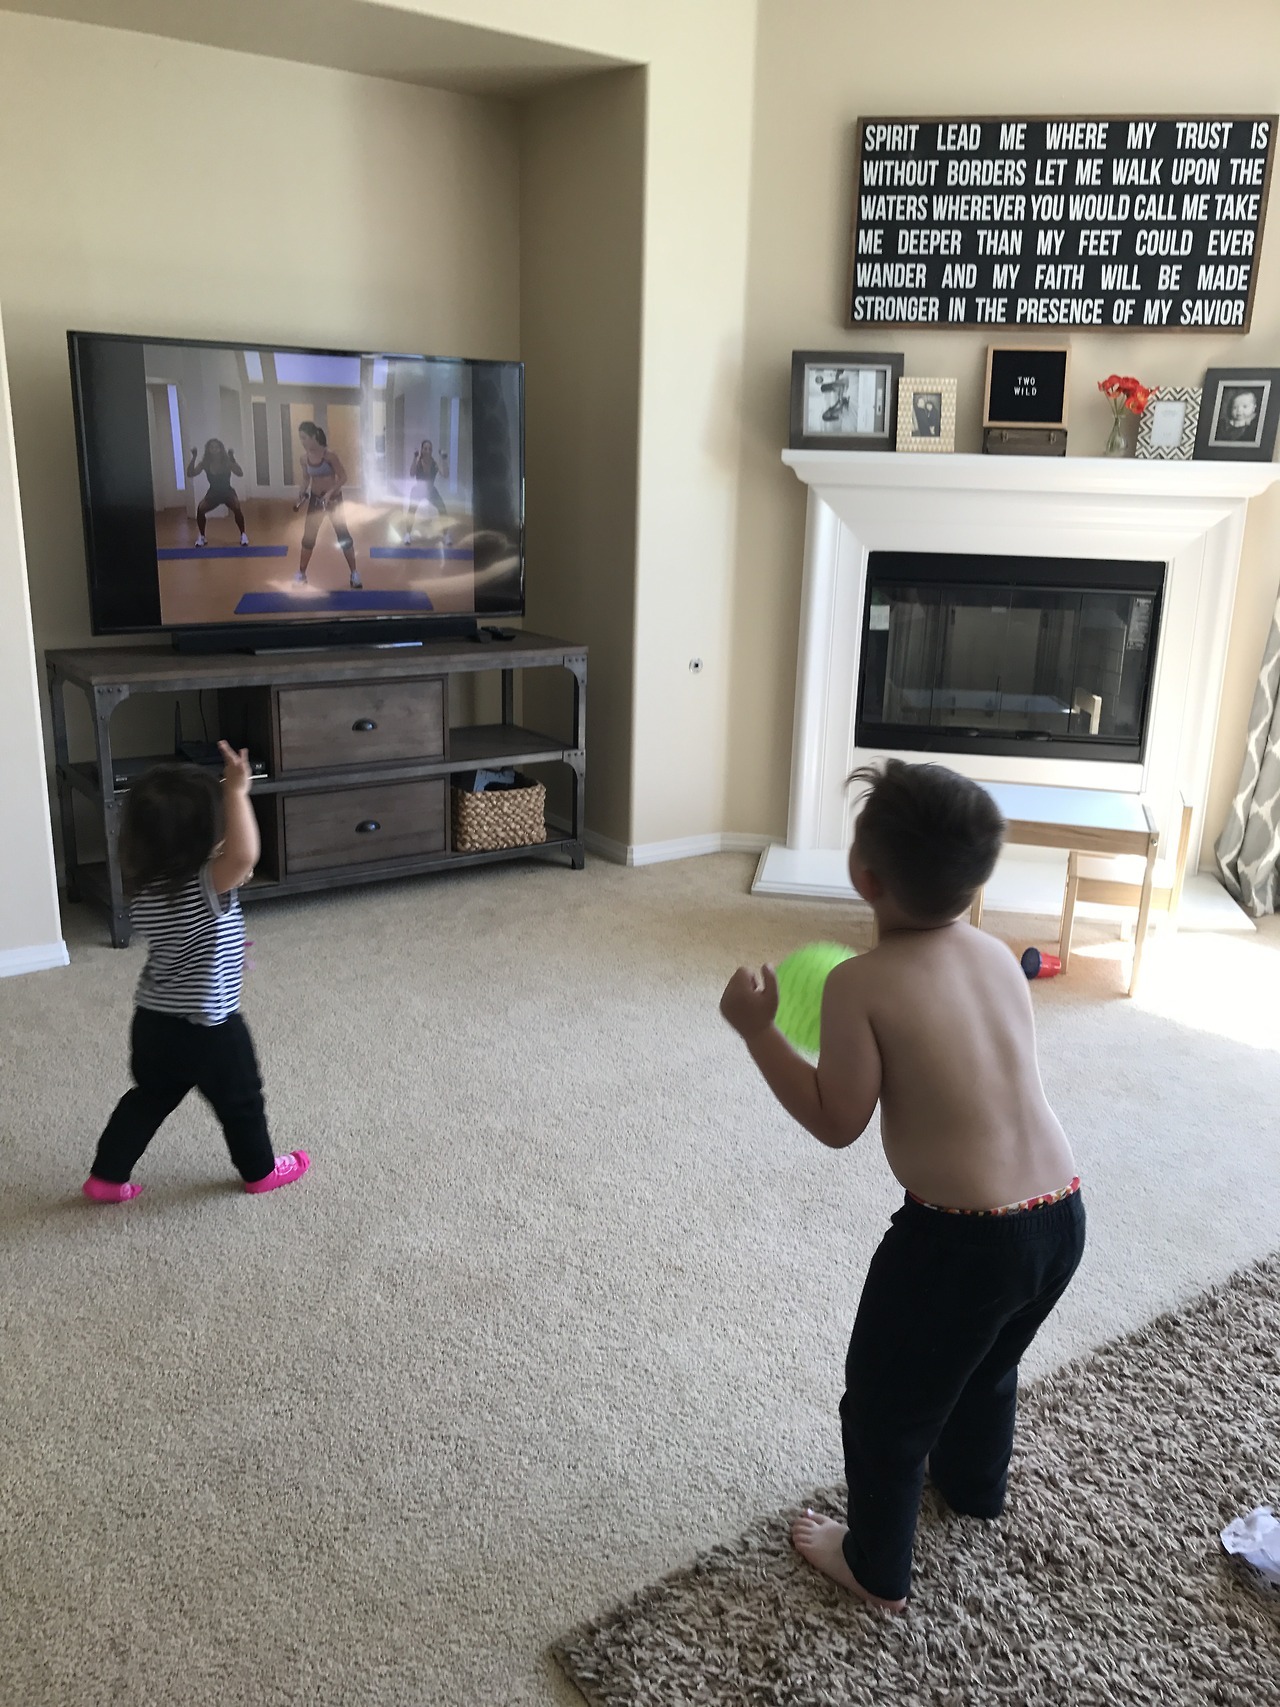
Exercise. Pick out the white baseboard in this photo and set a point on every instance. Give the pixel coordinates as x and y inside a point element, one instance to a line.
<point>690,847</point>
<point>40,957</point>
<point>656,853</point>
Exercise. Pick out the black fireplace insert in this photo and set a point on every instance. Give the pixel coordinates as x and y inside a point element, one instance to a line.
<point>1008,655</point>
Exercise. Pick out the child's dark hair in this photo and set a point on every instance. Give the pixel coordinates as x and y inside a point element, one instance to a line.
<point>171,823</point>
<point>931,837</point>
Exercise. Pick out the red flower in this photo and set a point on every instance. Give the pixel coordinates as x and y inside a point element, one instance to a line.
<point>1125,392</point>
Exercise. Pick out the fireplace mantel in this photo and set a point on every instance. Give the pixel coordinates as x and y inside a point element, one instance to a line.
<point>1189,515</point>
<point>1053,476</point>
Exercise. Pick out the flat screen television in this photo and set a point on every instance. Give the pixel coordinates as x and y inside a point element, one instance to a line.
<point>255,494</point>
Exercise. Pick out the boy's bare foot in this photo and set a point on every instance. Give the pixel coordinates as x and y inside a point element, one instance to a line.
<point>820,1540</point>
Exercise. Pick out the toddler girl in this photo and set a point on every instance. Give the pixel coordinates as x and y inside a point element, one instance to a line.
<point>186,845</point>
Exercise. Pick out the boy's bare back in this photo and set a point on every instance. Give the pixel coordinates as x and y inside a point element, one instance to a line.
<point>963,1115</point>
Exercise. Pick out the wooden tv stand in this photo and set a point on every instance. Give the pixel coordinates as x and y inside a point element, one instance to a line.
<point>357,747</point>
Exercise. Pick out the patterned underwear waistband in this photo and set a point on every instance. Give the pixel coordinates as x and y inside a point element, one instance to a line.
<point>1005,1208</point>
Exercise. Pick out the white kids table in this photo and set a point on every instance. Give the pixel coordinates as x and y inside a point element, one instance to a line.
<point>1089,821</point>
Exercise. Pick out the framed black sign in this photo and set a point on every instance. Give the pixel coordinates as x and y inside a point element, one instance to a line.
<point>1072,223</point>
<point>1026,385</point>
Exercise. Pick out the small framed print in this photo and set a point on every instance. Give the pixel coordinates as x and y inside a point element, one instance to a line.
<point>927,414</point>
<point>1167,426</point>
<point>1027,385</point>
<point>843,400</point>
<point>1239,414</point>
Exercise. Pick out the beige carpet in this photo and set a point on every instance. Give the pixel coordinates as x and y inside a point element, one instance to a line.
<point>563,1301</point>
<point>1103,1583</point>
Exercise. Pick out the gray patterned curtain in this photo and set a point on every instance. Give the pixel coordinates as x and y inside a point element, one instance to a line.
<point>1248,850</point>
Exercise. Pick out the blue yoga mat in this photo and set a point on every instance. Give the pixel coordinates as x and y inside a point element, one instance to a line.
<point>171,551</point>
<point>455,554</point>
<point>349,602</point>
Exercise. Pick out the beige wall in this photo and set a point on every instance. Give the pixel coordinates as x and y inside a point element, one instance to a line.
<point>699,62</point>
<point>30,926</point>
<point>822,65</point>
<point>743,180</point>
<point>176,203</point>
<point>135,244</point>
<point>581,225</point>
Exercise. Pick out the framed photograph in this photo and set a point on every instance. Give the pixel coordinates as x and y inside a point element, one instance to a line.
<point>1026,385</point>
<point>1239,413</point>
<point>1167,426</point>
<point>843,400</point>
<point>927,414</point>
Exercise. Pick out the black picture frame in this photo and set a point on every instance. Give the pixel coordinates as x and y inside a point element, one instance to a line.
<point>1239,415</point>
<point>844,399</point>
<point>1027,385</point>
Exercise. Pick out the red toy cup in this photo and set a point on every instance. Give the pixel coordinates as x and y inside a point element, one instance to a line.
<point>1036,963</point>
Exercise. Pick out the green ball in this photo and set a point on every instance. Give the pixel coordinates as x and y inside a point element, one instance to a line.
<point>802,977</point>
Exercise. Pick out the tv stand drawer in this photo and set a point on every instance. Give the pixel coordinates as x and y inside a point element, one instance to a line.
<point>369,723</point>
<point>360,826</point>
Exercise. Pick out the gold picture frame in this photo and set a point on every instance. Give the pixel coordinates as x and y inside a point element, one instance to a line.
<point>926,415</point>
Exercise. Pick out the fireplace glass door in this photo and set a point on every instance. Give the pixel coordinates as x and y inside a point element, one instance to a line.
<point>1000,655</point>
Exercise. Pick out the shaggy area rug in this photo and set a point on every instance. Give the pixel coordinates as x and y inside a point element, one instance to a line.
<point>1104,1584</point>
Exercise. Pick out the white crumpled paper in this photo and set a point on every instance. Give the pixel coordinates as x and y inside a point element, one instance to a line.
<point>1256,1538</point>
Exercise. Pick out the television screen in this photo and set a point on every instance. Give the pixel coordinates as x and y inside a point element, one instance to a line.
<point>233,486</point>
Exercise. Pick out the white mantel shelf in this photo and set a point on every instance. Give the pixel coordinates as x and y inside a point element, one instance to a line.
<point>1102,476</point>
<point>1188,515</point>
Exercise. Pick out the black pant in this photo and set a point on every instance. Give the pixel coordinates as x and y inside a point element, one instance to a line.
<point>950,1304</point>
<point>168,1058</point>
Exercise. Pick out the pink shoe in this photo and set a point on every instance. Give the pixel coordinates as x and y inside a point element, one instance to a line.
<point>287,1169</point>
<point>106,1191</point>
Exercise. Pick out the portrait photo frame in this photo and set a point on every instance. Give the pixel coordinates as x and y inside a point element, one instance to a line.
<point>1167,426</point>
<point>1239,414</point>
<point>1027,385</point>
<point>926,414</point>
<point>844,399</point>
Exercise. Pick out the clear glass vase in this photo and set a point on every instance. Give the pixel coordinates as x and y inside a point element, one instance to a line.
<point>1117,444</point>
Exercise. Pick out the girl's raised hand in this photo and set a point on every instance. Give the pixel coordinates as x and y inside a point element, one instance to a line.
<point>237,777</point>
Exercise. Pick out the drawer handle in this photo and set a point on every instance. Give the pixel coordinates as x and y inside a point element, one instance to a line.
<point>363,725</point>
<point>368,827</point>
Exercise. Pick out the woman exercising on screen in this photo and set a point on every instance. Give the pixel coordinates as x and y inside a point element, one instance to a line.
<point>217,465</point>
<point>424,470</point>
<point>323,478</point>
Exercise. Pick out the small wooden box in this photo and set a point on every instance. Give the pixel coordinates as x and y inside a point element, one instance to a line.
<point>1024,441</point>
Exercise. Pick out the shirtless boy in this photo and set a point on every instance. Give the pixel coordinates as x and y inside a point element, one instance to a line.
<point>935,1025</point>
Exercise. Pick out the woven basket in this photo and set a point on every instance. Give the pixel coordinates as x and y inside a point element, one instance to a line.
<point>499,817</point>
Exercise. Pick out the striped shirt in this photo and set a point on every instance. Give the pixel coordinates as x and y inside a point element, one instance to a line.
<point>195,950</point>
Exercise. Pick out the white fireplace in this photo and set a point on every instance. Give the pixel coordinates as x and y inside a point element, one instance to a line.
<point>1188,516</point>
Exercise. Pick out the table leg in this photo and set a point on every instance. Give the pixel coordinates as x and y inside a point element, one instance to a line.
<point>1068,909</point>
<point>975,911</point>
<point>1180,867</point>
<point>577,760</point>
<point>1144,914</point>
<point>105,701</point>
<point>66,798</point>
